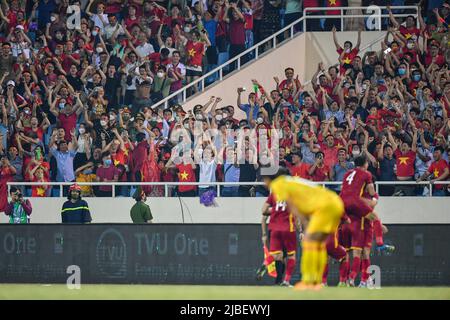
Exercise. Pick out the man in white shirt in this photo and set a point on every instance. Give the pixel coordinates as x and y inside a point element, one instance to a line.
<point>100,18</point>
<point>145,48</point>
<point>112,27</point>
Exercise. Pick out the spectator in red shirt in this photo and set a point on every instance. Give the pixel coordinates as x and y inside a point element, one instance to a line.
<point>236,30</point>
<point>319,171</point>
<point>106,173</point>
<point>195,49</point>
<point>405,155</point>
<point>439,171</point>
<point>409,30</point>
<point>298,168</point>
<point>330,151</point>
<point>289,83</point>
<point>348,53</point>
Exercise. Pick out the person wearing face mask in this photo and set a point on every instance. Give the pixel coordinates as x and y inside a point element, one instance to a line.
<point>75,209</point>
<point>86,173</point>
<point>106,173</point>
<point>84,151</point>
<point>125,118</point>
<point>161,84</point>
<point>66,114</point>
<point>100,18</point>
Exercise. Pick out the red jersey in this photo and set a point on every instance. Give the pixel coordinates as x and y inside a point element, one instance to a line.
<point>354,183</point>
<point>437,168</point>
<point>280,217</point>
<point>300,170</point>
<point>330,155</point>
<point>409,33</point>
<point>68,122</point>
<point>405,163</point>
<point>347,58</point>
<point>331,4</point>
<point>195,53</point>
<point>321,173</point>
<point>186,174</point>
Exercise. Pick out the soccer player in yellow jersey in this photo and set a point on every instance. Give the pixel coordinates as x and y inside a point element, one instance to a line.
<point>320,211</point>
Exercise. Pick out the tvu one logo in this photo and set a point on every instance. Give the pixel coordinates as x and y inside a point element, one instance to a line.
<point>373,22</point>
<point>73,17</point>
<point>74,280</point>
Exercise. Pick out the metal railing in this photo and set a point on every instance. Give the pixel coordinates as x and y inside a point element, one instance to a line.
<point>255,50</point>
<point>343,15</point>
<point>217,185</point>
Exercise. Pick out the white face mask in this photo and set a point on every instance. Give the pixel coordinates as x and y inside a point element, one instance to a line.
<point>186,125</point>
<point>259,120</point>
<point>410,45</point>
<point>94,33</point>
<point>103,123</point>
<point>111,118</point>
<point>99,49</point>
<point>160,74</point>
<point>81,130</point>
<point>364,86</point>
<point>187,29</point>
<point>198,116</point>
<point>225,115</point>
<point>218,117</point>
<point>356,153</point>
<point>52,19</point>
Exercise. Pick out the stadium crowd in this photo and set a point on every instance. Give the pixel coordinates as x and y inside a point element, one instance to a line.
<point>76,103</point>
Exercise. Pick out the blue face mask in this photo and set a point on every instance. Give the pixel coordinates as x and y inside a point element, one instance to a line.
<point>61,105</point>
<point>107,162</point>
<point>401,72</point>
<point>416,77</point>
<point>381,81</point>
<point>87,171</point>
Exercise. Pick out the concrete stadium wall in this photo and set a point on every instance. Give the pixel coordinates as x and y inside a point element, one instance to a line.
<point>302,53</point>
<point>405,210</point>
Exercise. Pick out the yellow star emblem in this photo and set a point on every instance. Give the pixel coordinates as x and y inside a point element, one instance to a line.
<point>408,35</point>
<point>436,173</point>
<point>332,2</point>
<point>288,150</point>
<point>184,175</point>
<point>347,60</point>
<point>403,160</point>
<point>191,52</point>
<point>40,191</point>
<point>116,162</point>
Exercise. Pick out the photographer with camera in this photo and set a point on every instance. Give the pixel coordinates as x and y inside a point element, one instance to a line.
<point>18,209</point>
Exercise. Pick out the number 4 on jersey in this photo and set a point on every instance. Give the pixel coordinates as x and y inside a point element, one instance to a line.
<point>350,177</point>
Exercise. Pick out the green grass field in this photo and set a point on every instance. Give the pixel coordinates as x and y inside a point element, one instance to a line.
<point>175,292</point>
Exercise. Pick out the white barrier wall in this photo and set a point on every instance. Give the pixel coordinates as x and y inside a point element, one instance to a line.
<point>303,53</point>
<point>402,210</point>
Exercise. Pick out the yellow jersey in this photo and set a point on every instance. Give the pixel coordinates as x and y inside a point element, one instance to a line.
<point>307,197</point>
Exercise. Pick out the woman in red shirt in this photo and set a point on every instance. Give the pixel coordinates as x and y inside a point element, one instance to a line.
<point>195,49</point>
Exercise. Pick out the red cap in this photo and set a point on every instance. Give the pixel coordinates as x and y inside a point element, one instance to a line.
<point>75,187</point>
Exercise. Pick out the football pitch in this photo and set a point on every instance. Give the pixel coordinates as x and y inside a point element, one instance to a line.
<point>180,292</point>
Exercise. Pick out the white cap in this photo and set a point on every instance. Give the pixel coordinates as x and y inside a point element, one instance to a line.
<point>19,26</point>
<point>11,82</point>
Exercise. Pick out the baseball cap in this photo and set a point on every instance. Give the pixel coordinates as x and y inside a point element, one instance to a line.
<point>11,82</point>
